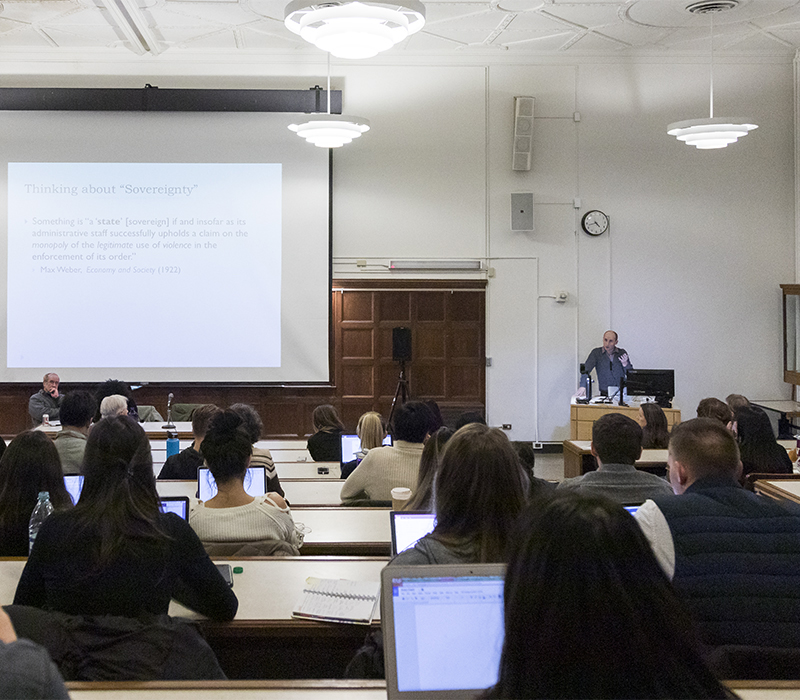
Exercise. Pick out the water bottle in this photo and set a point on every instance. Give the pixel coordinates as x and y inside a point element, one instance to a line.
<point>42,509</point>
<point>173,444</point>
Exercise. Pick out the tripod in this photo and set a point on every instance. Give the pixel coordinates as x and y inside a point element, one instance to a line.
<point>401,392</point>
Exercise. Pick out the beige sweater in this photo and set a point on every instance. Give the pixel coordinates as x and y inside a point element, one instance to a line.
<point>383,469</point>
<point>259,520</point>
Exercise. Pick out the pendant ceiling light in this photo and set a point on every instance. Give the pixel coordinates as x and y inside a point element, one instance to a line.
<point>328,130</point>
<point>714,132</point>
<point>354,29</point>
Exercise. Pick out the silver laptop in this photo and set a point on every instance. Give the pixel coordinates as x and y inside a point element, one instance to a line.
<point>255,483</point>
<point>351,445</point>
<point>408,526</point>
<point>442,629</point>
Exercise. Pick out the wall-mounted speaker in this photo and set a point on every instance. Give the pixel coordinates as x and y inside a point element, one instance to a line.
<point>522,211</point>
<point>401,344</point>
<point>523,133</point>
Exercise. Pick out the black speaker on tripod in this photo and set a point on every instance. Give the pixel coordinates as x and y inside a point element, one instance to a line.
<point>401,344</point>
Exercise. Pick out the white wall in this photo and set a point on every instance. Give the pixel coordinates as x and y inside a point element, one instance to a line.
<point>699,241</point>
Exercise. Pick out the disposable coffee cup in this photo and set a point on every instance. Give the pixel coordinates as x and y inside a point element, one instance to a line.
<point>400,497</point>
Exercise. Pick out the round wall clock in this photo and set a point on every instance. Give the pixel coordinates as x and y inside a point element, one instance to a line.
<point>594,222</point>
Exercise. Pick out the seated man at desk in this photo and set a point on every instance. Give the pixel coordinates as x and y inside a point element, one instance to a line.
<point>77,411</point>
<point>732,555</point>
<point>616,445</point>
<point>46,401</point>
<point>610,362</point>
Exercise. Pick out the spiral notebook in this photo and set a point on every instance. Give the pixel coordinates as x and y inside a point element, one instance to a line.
<point>338,600</point>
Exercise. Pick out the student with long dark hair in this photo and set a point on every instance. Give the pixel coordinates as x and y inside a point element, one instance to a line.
<point>759,450</point>
<point>655,428</point>
<point>30,464</point>
<point>590,614</point>
<point>325,445</point>
<point>428,467</point>
<point>479,490</point>
<point>233,515</point>
<point>115,553</point>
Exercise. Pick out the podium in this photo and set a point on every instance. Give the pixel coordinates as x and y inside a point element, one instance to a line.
<point>583,416</point>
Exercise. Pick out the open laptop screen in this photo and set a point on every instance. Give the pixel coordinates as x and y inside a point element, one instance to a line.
<point>255,483</point>
<point>168,504</point>
<point>443,629</point>
<point>408,527</point>
<point>351,444</point>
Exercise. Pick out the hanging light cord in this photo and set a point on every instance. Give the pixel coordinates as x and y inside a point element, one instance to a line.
<point>711,95</point>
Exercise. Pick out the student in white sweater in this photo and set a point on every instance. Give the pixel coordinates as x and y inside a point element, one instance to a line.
<point>385,468</point>
<point>233,515</point>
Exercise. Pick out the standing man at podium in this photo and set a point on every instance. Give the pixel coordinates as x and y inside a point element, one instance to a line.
<point>610,362</point>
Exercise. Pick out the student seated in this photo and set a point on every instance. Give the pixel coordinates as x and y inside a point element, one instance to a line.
<point>26,671</point>
<point>616,445</point>
<point>29,465</point>
<point>759,450</point>
<point>733,556</point>
<point>716,409</point>
<point>480,489</point>
<point>371,432</point>
<point>233,515</point>
<point>254,427</point>
<point>655,427</point>
<point>185,464</point>
<point>77,410</point>
<point>115,552</point>
<point>325,445</point>
<point>385,468</point>
<point>428,468</point>
<point>590,614</point>
<point>112,387</point>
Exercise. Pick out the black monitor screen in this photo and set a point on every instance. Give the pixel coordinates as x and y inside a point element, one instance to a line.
<point>651,382</point>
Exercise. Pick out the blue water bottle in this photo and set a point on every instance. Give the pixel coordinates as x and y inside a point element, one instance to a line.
<point>173,444</point>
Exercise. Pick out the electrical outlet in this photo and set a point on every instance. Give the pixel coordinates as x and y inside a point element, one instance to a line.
<point>506,426</point>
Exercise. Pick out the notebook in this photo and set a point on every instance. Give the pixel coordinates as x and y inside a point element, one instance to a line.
<point>442,629</point>
<point>168,504</point>
<point>255,483</point>
<point>408,526</point>
<point>337,600</point>
<point>351,444</point>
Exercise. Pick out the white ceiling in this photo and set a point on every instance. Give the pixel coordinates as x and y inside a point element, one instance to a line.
<point>56,30</point>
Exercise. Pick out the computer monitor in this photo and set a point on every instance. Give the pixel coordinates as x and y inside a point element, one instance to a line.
<point>659,383</point>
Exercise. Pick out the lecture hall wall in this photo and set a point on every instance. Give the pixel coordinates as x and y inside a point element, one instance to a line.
<point>699,241</point>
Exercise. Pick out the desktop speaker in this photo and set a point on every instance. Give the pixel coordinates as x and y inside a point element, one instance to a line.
<point>401,344</point>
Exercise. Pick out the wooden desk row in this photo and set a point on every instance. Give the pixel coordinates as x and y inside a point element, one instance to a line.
<point>327,690</point>
<point>264,641</point>
<point>299,492</point>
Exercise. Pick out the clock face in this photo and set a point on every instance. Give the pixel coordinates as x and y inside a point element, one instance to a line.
<point>594,222</point>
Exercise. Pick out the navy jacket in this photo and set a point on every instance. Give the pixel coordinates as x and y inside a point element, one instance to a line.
<point>737,563</point>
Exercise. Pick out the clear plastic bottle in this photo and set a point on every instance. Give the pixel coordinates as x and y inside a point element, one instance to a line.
<point>40,513</point>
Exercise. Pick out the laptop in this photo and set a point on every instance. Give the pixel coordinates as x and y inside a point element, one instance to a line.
<point>442,629</point>
<point>351,444</point>
<point>255,483</point>
<point>168,504</point>
<point>175,504</point>
<point>408,526</point>
<point>73,483</point>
